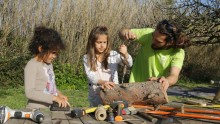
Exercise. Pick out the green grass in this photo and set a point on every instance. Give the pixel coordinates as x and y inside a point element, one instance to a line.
<point>15,97</point>
<point>77,98</point>
<point>190,84</point>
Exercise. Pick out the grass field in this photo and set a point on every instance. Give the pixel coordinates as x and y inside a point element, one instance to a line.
<point>15,98</point>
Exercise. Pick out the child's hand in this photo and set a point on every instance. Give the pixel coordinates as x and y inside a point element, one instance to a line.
<point>108,85</point>
<point>62,102</point>
<point>123,50</point>
<point>63,96</point>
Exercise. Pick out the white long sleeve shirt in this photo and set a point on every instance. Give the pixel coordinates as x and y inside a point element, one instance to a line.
<point>110,74</point>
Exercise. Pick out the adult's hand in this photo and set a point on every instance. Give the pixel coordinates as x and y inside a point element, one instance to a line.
<point>163,80</point>
<point>165,83</point>
<point>127,34</point>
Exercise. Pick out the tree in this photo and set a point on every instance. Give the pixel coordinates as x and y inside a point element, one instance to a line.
<point>200,19</point>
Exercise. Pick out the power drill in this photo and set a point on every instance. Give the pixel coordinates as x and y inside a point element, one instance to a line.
<point>6,113</point>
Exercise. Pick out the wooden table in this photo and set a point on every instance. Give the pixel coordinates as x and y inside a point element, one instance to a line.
<point>61,117</point>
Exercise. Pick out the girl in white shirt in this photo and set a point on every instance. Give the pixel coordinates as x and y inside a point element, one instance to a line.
<point>101,63</point>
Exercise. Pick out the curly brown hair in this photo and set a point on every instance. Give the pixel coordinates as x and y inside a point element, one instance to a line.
<point>175,36</point>
<point>46,38</point>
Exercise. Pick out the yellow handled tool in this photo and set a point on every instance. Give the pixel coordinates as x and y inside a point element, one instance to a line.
<point>79,112</point>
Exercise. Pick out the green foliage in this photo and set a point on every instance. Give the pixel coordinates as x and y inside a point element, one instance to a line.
<point>12,71</point>
<point>68,80</point>
<point>69,76</point>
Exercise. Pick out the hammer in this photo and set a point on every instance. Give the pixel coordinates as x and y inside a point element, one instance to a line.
<point>80,112</point>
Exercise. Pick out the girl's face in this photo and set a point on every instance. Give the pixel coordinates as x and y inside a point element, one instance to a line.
<point>101,43</point>
<point>48,58</point>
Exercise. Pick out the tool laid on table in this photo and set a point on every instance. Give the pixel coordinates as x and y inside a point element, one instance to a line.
<point>110,115</point>
<point>148,117</point>
<point>80,112</point>
<point>181,112</point>
<point>6,113</point>
<point>115,111</point>
<point>115,104</point>
<point>169,108</point>
<point>118,107</point>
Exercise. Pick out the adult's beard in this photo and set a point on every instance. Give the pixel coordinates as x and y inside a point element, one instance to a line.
<point>165,47</point>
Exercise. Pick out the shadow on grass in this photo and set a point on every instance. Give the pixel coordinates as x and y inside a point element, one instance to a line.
<point>203,93</point>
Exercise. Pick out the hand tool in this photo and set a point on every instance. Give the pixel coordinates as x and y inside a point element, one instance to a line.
<point>118,117</point>
<point>169,108</point>
<point>79,112</point>
<point>200,116</point>
<point>110,115</point>
<point>55,107</point>
<point>115,104</point>
<point>179,114</point>
<point>117,107</point>
<point>147,116</point>
<point>6,113</point>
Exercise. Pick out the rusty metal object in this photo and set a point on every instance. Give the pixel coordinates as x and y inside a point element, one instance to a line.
<point>150,93</point>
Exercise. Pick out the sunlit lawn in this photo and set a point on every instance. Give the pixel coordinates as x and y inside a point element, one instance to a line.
<point>15,98</point>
